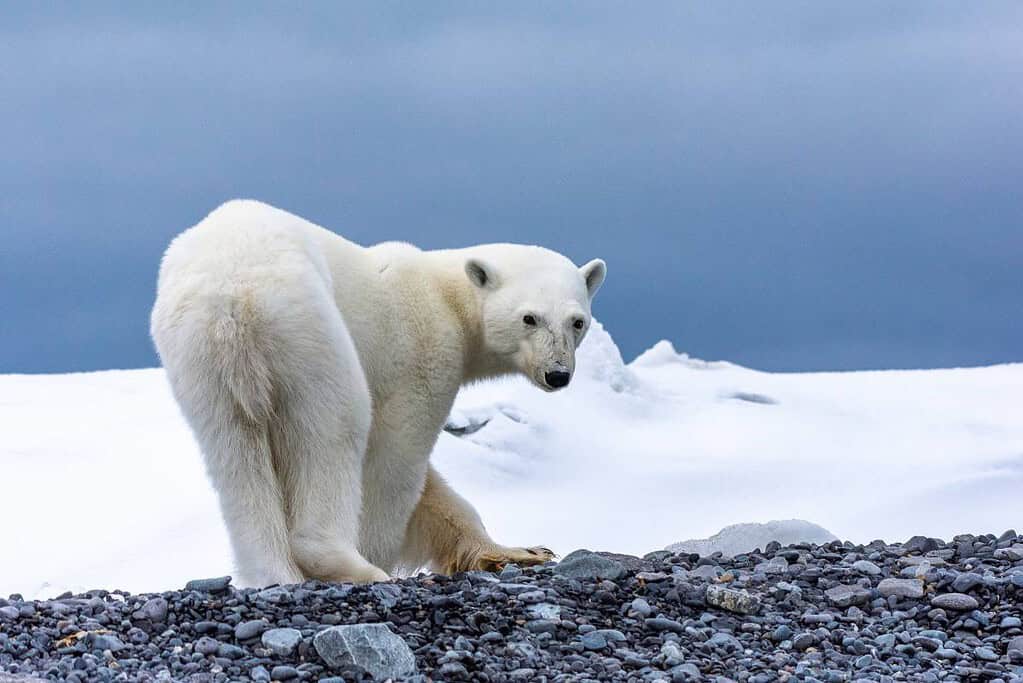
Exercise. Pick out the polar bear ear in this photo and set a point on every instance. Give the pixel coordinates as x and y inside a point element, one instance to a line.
<point>480,274</point>
<point>593,273</point>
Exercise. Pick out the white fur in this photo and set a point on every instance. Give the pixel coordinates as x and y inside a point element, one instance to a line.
<point>316,375</point>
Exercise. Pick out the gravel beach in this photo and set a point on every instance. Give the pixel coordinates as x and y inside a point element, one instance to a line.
<point>923,610</point>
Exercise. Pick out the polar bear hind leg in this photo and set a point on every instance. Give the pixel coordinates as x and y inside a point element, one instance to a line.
<point>271,384</point>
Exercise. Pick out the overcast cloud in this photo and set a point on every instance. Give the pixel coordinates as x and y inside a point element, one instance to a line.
<point>794,185</point>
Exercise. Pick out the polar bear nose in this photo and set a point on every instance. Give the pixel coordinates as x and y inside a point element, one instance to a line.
<point>557,379</point>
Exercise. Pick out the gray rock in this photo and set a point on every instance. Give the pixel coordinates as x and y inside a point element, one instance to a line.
<point>371,646</point>
<point>847,595</point>
<point>732,600</point>
<point>902,588</point>
<point>967,581</point>
<point>259,674</point>
<point>986,654</point>
<point>544,610</point>
<point>230,651</point>
<point>250,629</point>
<point>584,564</point>
<point>216,585</point>
<point>283,673</point>
<point>1011,622</point>
<point>804,641</point>
<point>154,609</point>
<point>959,602</point>
<point>640,608</point>
<point>387,593</point>
<point>9,613</point>
<point>866,567</point>
<point>206,646</point>
<point>106,641</point>
<point>281,641</point>
<point>594,640</point>
<point>1016,644</point>
<point>725,642</point>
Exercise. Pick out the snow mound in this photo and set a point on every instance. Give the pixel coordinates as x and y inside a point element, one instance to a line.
<point>664,353</point>
<point>742,538</point>
<point>627,457</point>
<point>599,359</point>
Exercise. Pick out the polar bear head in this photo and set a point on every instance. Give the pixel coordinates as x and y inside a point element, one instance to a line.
<point>535,309</point>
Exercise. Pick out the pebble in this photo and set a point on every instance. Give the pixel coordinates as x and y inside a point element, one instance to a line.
<point>902,588</point>
<point>955,601</point>
<point>584,564</point>
<point>281,641</point>
<point>816,613</point>
<point>250,629</point>
<point>217,585</point>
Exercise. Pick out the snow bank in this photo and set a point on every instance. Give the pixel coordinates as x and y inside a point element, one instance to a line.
<point>743,538</point>
<point>102,485</point>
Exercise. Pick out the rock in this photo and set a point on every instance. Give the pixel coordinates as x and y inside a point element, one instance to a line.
<point>250,629</point>
<point>847,595</point>
<point>640,608</point>
<point>725,642</point>
<point>387,593</point>
<point>217,585</point>
<point>959,602</point>
<point>259,674</point>
<point>967,581</point>
<point>662,624</point>
<point>283,673</point>
<point>154,609</point>
<point>9,613</point>
<point>374,647</point>
<point>804,641</point>
<point>206,646</point>
<point>902,588</point>
<point>281,641</point>
<point>106,641</point>
<point>732,600</point>
<point>230,651</point>
<point>866,567</point>
<point>584,564</point>
<point>593,641</point>
<point>986,654</point>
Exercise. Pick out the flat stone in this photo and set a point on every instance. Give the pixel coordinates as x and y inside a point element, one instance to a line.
<point>866,567</point>
<point>215,585</point>
<point>959,602</point>
<point>374,647</point>
<point>847,595</point>
<point>732,600</point>
<point>902,588</point>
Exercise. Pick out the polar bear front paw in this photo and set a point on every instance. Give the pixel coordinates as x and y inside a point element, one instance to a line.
<point>495,560</point>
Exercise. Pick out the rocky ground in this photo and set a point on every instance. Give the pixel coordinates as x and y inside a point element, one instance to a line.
<point>924,610</point>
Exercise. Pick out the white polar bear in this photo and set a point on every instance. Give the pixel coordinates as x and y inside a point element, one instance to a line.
<point>316,375</point>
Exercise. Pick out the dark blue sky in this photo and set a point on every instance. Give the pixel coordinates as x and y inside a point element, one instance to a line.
<point>791,185</point>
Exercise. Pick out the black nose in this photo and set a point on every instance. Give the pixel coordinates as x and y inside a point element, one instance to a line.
<point>557,379</point>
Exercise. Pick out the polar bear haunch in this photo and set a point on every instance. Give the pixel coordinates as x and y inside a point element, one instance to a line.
<point>316,375</point>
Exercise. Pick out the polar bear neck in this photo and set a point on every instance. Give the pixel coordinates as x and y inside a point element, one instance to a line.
<point>462,299</point>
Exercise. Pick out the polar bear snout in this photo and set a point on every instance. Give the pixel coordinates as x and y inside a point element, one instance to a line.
<point>557,379</point>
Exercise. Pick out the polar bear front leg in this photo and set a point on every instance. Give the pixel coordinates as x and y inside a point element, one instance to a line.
<point>446,534</point>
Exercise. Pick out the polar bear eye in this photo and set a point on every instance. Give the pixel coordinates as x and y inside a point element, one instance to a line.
<point>529,320</point>
<point>578,324</point>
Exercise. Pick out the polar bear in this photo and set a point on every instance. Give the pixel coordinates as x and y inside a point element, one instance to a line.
<point>316,375</point>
